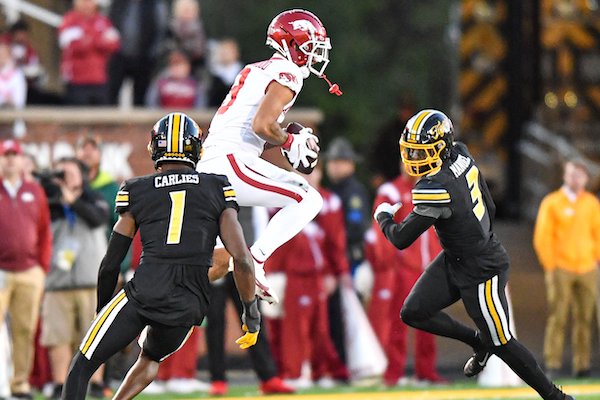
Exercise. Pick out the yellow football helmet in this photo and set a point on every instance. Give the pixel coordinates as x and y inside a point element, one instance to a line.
<point>426,142</point>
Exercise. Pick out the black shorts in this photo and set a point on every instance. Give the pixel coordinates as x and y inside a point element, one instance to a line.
<point>119,323</point>
<point>485,301</point>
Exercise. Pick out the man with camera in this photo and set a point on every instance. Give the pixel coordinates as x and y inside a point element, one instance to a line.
<point>79,216</point>
<point>24,259</point>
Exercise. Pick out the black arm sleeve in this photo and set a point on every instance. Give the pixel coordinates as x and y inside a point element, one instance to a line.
<point>110,267</point>
<point>406,232</point>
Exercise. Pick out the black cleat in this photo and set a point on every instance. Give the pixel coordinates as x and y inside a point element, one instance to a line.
<point>476,363</point>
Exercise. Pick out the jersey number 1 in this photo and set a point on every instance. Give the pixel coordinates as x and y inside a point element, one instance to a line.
<point>176,218</point>
<point>473,181</point>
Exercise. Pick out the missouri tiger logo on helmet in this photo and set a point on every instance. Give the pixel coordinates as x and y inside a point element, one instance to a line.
<point>426,142</point>
<point>175,138</point>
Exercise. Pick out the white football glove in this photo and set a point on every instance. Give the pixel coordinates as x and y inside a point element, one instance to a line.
<point>387,208</point>
<point>299,150</point>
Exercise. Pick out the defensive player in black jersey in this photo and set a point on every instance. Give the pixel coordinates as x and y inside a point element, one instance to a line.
<point>179,213</point>
<point>453,196</point>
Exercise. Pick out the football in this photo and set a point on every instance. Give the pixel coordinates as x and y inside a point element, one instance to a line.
<point>293,128</point>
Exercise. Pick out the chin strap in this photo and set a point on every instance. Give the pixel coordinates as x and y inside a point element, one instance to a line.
<point>333,87</point>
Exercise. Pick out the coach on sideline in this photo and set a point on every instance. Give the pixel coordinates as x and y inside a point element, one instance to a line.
<point>24,258</point>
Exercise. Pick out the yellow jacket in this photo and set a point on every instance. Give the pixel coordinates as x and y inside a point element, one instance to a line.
<point>567,233</point>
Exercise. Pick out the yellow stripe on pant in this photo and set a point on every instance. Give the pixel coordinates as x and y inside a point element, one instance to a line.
<point>100,321</point>
<point>494,312</point>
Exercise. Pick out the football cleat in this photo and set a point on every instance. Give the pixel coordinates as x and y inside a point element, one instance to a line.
<point>476,363</point>
<point>263,289</point>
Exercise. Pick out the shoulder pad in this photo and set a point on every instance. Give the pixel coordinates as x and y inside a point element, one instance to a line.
<point>428,191</point>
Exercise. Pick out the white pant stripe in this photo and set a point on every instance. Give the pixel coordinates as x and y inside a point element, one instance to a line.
<point>486,315</point>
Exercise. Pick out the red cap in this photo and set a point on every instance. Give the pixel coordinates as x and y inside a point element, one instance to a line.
<point>10,146</point>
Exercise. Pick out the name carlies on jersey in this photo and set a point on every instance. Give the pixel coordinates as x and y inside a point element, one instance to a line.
<point>175,179</point>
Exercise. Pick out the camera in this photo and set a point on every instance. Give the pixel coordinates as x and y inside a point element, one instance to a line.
<point>47,179</point>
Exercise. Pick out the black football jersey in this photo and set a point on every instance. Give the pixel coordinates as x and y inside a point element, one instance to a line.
<point>466,235</point>
<point>177,213</point>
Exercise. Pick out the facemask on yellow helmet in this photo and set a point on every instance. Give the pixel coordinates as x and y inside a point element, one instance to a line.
<point>426,142</point>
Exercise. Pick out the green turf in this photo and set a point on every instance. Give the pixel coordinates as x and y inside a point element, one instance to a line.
<point>252,391</point>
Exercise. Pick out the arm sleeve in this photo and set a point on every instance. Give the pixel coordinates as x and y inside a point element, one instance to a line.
<point>108,274</point>
<point>406,232</point>
<point>543,234</point>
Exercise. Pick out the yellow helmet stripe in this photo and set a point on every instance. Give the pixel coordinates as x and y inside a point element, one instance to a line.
<point>419,120</point>
<point>174,128</point>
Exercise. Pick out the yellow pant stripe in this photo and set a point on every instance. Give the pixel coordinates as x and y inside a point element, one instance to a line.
<point>493,312</point>
<point>100,321</point>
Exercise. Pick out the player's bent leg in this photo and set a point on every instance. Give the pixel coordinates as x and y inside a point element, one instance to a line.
<point>115,326</point>
<point>432,293</point>
<point>158,342</point>
<point>260,183</point>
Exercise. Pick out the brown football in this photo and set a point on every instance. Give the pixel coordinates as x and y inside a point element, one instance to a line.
<point>293,128</point>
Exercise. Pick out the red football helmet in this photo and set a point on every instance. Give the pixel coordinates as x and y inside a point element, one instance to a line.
<point>300,37</point>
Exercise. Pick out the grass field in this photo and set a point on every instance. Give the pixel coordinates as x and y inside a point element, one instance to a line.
<point>583,390</point>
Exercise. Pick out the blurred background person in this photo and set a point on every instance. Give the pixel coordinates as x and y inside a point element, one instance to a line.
<point>87,40</point>
<point>24,258</point>
<point>224,67</point>
<point>567,242</point>
<point>252,220</point>
<point>340,166</point>
<point>142,25</point>
<point>79,217</point>
<point>186,32</point>
<point>176,88</point>
<point>395,274</point>
<point>13,87</point>
<point>314,262</point>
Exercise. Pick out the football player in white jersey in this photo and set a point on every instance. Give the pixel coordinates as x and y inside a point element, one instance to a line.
<point>248,122</point>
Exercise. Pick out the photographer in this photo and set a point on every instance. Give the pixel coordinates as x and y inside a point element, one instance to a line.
<point>78,216</point>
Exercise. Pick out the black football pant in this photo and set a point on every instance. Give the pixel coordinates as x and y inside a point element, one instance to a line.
<point>487,306</point>
<point>260,353</point>
<point>115,326</point>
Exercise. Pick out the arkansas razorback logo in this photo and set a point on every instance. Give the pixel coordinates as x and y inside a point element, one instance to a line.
<point>303,25</point>
<point>286,76</point>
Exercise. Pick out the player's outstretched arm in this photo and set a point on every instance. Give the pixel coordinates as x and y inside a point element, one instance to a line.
<point>119,243</point>
<point>406,232</point>
<point>243,274</point>
<point>265,123</point>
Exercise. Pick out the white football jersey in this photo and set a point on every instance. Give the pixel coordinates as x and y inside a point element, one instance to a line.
<point>231,128</point>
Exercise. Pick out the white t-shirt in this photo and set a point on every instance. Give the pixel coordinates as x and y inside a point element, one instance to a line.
<point>231,128</point>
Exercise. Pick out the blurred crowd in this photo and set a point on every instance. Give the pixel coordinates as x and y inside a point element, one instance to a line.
<point>164,52</point>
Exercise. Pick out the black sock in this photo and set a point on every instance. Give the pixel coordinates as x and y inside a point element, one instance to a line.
<point>521,361</point>
<point>80,373</point>
<point>442,324</point>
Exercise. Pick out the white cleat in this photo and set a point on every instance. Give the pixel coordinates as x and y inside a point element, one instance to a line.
<point>263,289</point>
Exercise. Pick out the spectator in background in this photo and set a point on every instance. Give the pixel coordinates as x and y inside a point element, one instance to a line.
<point>26,58</point>
<point>260,353</point>
<point>313,261</point>
<point>186,32</point>
<point>87,40</point>
<point>176,88</point>
<point>79,217</point>
<point>142,24</point>
<point>567,242</point>
<point>340,166</point>
<point>13,86</point>
<point>396,272</point>
<point>224,68</point>
<point>24,257</point>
